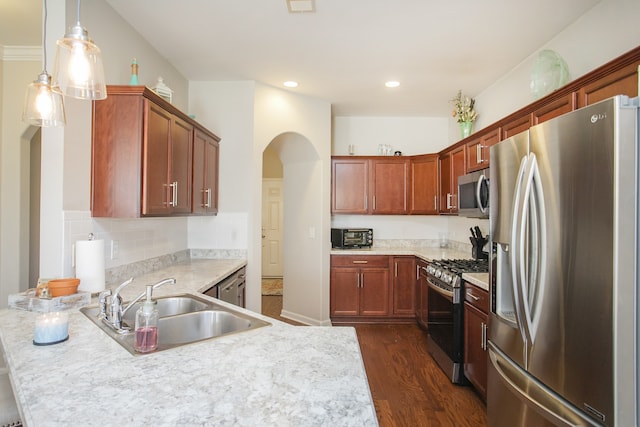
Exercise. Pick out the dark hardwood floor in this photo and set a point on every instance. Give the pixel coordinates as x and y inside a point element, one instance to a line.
<point>407,386</point>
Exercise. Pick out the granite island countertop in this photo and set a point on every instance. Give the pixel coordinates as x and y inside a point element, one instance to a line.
<point>279,375</point>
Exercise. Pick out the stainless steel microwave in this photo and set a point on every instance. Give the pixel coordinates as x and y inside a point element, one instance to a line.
<point>473,194</point>
<point>344,238</point>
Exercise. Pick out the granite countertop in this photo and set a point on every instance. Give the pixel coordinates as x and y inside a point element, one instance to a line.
<point>481,280</point>
<point>277,375</point>
<point>426,253</point>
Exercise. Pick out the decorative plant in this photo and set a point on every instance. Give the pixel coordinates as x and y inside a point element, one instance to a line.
<point>463,108</point>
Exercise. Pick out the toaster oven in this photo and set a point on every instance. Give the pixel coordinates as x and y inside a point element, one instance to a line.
<point>345,238</point>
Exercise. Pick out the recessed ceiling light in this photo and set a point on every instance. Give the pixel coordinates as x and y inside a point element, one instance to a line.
<point>392,83</point>
<point>296,6</point>
<point>290,83</point>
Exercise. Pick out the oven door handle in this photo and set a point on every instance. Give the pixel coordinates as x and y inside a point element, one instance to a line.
<point>445,293</point>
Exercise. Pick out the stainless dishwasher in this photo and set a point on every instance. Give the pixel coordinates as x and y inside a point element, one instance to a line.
<point>231,289</point>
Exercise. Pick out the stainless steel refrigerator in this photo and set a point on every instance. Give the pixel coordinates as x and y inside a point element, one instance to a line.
<point>563,340</point>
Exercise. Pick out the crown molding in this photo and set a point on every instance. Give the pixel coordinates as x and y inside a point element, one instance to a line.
<point>20,53</point>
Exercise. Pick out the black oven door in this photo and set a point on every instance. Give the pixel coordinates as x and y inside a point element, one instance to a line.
<point>444,320</point>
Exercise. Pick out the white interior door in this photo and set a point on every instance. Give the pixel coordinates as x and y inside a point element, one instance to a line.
<point>272,227</point>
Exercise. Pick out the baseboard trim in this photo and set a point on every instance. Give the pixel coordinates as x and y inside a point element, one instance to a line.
<point>304,319</point>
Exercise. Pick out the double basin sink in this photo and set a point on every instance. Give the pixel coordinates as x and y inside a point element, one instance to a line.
<point>184,319</point>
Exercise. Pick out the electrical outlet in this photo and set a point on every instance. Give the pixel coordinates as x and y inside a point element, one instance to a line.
<point>114,249</point>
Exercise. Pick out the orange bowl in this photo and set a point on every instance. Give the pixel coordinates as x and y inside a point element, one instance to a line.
<point>60,287</point>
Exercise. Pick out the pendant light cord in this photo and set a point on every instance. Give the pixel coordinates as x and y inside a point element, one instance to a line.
<point>78,17</point>
<point>44,36</point>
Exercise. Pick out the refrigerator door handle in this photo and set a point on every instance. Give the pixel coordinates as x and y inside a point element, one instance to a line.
<point>535,229</point>
<point>516,249</point>
<point>534,394</point>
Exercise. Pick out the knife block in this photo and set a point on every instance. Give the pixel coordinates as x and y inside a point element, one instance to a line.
<point>476,250</point>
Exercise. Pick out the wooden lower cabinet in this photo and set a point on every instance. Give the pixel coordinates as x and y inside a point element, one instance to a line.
<point>372,289</point>
<point>422,294</point>
<point>403,286</point>
<point>476,307</point>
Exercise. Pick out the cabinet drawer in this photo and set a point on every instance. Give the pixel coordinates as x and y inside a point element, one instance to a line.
<point>360,261</point>
<point>477,297</point>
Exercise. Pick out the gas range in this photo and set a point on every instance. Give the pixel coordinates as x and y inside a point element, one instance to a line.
<point>445,321</point>
<point>450,271</point>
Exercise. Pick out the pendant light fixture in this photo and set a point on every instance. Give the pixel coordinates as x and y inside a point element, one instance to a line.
<point>78,68</point>
<point>43,103</point>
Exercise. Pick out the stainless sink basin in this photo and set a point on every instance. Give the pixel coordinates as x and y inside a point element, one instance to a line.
<point>168,306</point>
<point>201,325</point>
<point>184,319</point>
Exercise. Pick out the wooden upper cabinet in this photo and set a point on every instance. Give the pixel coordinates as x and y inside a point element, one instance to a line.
<point>623,81</point>
<point>515,125</point>
<point>349,185</point>
<point>155,166</point>
<point>554,109</point>
<point>389,185</point>
<point>477,155</point>
<point>423,195</point>
<point>205,173</point>
<point>452,165</point>
<point>142,155</point>
<point>180,166</point>
<point>369,185</point>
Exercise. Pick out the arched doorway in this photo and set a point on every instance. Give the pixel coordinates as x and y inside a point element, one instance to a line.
<point>302,177</point>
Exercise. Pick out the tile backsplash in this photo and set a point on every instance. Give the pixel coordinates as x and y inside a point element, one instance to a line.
<point>126,241</point>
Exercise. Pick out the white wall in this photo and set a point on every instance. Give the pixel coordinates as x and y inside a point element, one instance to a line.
<point>248,116</point>
<point>14,201</point>
<point>411,135</point>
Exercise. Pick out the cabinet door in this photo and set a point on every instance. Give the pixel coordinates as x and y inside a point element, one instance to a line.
<point>349,186</point>
<point>212,155</point>
<point>180,166</point>
<point>374,292</point>
<point>515,126</point>
<point>345,291</point>
<point>457,168</point>
<point>424,301</point>
<point>424,185</point>
<point>620,82</point>
<point>555,108</point>
<point>205,174</point>
<point>389,179</point>
<point>403,286</point>
<point>475,354</point>
<point>445,182</point>
<point>155,166</point>
<point>478,150</point>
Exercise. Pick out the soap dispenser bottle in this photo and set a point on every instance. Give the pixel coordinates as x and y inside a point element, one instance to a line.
<point>146,329</point>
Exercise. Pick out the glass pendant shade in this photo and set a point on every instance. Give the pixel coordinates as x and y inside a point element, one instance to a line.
<point>78,67</point>
<point>43,104</point>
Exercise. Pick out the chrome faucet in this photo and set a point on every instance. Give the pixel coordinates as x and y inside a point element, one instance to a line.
<point>111,309</point>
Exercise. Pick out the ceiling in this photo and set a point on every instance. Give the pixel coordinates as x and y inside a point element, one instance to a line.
<point>345,50</point>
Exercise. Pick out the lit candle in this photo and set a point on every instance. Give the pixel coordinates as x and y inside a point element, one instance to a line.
<point>51,328</point>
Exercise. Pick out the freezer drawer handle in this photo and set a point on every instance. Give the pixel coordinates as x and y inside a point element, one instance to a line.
<point>536,395</point>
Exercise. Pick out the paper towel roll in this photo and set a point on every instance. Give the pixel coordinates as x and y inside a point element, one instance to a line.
<point>90,265</point>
